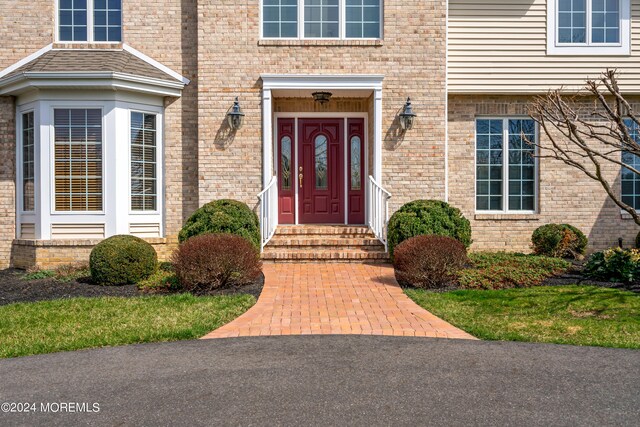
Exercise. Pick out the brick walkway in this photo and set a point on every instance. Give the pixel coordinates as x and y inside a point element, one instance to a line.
<point>335,299</point>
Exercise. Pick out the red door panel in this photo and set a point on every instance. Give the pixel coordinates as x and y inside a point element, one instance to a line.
<point>355,169</point>
<point>286,173</point>
<point>321,190</point>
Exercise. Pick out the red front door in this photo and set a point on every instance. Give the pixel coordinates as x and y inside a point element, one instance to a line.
<point>321,171</point>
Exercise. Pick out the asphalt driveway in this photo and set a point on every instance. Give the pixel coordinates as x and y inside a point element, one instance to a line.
<point>329,380</point>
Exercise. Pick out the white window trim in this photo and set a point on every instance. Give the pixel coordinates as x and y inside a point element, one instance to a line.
<point>90,28</point>
<point>52,161</point>
<point>159,163</point>
<point>342,23</point>
<point>505,169</point>
<point>19,159</point>
<point>613,49</point>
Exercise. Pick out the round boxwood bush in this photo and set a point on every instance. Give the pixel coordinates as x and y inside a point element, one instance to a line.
<point>428,217</point>
<point>223,216</point>
<point>122,260</point>
<point>429,261</point>
<point>559,241</point>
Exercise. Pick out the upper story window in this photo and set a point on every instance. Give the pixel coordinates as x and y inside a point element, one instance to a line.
<point>322,19</point>
<point>90,20</point>
<point>598,27</point>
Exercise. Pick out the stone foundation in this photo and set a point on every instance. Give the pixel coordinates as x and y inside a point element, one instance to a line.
<point>49,254</point>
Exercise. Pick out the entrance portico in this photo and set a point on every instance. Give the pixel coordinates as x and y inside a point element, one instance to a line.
<point>320,159</point>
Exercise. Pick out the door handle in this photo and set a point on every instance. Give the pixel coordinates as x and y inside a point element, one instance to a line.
<point>300,176</point>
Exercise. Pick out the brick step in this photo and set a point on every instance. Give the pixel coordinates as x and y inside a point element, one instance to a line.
<point>330,240</point>
<point>323,230</point>
<point>315,248</point>
<point>347,255</point>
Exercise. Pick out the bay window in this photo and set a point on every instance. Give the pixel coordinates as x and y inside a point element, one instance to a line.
<point>505,165</point>
<point>144,186</point>
<point>28,162</point>
<point>322,19</point>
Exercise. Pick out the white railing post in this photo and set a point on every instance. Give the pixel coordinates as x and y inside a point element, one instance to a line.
<point>268,208</point>
<point>379,210</point>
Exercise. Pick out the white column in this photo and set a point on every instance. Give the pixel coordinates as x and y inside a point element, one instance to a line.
<point>44,175</point>
<point>377,135</point>
<point>267,143</point>
<point>117,174</point>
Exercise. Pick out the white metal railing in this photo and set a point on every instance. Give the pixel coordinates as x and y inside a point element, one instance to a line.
<point>378,210</point>
<point>268,200</point>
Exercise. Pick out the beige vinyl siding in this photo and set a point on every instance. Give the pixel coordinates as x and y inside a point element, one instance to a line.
<point>27,231</point>
<point>77,231</point>
<point>145,230</point>
<point>499,46</point>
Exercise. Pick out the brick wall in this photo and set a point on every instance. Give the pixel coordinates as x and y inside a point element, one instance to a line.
<point>55,253</point>
<point>231,58</point>
<point>565,194</point>
<point>7,178</point>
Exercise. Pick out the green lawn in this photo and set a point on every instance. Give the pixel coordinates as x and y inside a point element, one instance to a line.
<point>578,315</point>
<point>58,325</point>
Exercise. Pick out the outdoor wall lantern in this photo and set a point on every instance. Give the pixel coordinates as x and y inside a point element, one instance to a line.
<point>322,97</point>
<point>235,116</point>
<point>407,117</point>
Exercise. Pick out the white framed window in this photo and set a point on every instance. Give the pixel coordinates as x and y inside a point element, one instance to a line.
<point>144,162</point>
<point>630,181</point>
<point>321,19</point>
<point>89,20</point>
<point>588,27</point>
<point>506,166</point>
<point>28,161</point>
<point>78,160</point>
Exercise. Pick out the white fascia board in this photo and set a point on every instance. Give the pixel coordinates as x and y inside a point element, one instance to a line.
<point>322,81</point>
<point>105,80</point>
<point>26,60</point>
<point>155,63</point>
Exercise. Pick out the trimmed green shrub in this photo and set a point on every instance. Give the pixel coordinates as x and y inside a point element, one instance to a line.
<point>559,241</point>
<point>223,216</point>
<point>614,265</point>
<point>122,260</point>
<point>505,270</point>
<point>428,217</point>
<point>429,261</point>
<point>212,261</point>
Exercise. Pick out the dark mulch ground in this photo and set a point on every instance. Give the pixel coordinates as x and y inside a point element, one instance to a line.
<point>14,288</point>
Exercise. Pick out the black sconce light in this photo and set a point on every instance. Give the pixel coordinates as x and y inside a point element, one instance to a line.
<point>407,117</point>
<point>235,116</point>
<point>322,97</point>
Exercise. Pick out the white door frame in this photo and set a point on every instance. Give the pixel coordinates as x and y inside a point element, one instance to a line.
<point>336,115</point>
<point>334,82</point>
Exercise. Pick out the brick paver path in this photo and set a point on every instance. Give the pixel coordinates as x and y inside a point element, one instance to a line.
<point>335,299</point>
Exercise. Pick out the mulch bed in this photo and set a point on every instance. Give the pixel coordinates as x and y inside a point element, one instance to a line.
<point>14,288</point>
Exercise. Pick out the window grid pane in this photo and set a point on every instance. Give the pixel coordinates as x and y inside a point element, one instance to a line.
<point>363,18</point>
<point>78,159</point>
<point>521,165</point>
<point>72,17</point>
<point>144,196</point>
<point>280,18</point>
<point>631,180</point>
<point>572,21</point>
<point>489,181</point>
<point>321,18</point>
<point>28,162</point>
<point>605,21</point>
<point>107,20</point>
